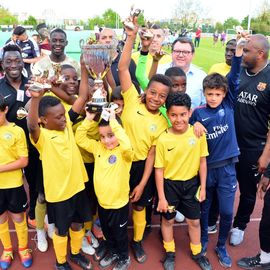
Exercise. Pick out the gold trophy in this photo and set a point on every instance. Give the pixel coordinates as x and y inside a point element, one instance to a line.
<point>57,73</point>
<point>39,80</point>
<point>98,59</point>
<point>21,113</point>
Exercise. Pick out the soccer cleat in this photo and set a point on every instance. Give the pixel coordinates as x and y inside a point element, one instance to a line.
<point>237,236</point>
<point>86,247</point>
<point>108,260</point>
<point>202,261</point>
<point>42,243</point>
<point>224,258</point>
<point>31,223</point>
<point>63,266</point>
<point>169,261</point>
<point>100,251</point>
<point>138,251</point>
<point>82,261</point>
<point>6,258</point>
<point>212,229</point>
<point>26,257</point>
<point>179,217</point>
<point>92,240</point>
<point>122,264</point>
<point>253,263</point>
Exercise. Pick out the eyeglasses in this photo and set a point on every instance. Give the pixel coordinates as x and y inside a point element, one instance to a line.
<point>184,53</point>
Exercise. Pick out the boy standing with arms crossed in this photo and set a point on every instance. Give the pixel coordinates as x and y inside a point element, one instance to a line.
<point>63,172</point>
<point>177,183</point>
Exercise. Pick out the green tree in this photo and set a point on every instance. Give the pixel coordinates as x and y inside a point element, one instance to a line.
<point>230,23</point>
<point>97,20</point>
<point>219,27</point>
<point>244,22</point>
<point>31,20</point>
<point>6,17</point>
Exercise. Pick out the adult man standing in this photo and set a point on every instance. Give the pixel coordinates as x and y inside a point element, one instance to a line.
<point>29,47</point>
<point>198,37</point>
<point>107,36</point>
<point>12,88</point>
<point>182,54</point>
<point>58,42</point>
<point>156,45</point>
<point>252,126</point>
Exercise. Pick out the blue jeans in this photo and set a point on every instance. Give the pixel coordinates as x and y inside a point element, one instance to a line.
<point>223,181</point>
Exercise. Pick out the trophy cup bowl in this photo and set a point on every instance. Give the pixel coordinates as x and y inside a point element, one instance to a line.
<point>98,59</point>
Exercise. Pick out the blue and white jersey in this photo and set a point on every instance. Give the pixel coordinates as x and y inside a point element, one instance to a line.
<point>219,122</point>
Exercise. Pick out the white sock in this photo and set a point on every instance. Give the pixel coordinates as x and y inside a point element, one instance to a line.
<point>265,257</point>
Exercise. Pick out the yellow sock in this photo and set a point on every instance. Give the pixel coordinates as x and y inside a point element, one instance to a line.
<point>22,233</point>
<point>60,247</point>
<point>196,249</point>
<point>40,212</point>
<point>139,224</point>
<point>88,225</point>
<point>5,236</point>
<point>169,246</point>
<point>76,238</point>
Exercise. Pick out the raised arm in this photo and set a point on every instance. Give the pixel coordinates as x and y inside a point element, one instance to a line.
<point>33,118</point>
<point>79,104</point>
<point>123,66</point>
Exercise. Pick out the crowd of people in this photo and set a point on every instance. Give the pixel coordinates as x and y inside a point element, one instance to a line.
<point>173,137</point>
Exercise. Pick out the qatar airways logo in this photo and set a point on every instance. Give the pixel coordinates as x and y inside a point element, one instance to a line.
<point>217,131</point>
<point>247,98</point>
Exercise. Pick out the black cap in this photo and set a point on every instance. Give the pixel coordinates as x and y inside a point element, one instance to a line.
<point>19,30</point>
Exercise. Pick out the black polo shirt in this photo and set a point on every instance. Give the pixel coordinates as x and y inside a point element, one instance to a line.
<point>15,102</point>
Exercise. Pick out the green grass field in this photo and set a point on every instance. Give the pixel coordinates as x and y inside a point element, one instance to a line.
<point>206,55</point>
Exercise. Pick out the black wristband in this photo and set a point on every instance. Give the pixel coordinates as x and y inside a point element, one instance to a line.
<point>144,53</point>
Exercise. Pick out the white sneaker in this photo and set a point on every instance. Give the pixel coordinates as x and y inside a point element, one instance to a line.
<point>179,217</point>
<point>237,236</point>
<point>42,243</point>
<point>50,229</point>
<point>92,240</point>
<point>86,247</point>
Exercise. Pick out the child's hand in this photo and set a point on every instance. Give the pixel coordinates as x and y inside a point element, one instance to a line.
<point>90,116</point>
<point>36,94</point>
<point>145,41</point>
<point>199,129</point>
<point>162,206</point>
<point>136,193</point>
<point>129,31</point>
<point>202,195</point>
<point>158,55</point>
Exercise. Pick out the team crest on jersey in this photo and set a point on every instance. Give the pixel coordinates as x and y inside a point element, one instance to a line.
<point>191,141</point>
<point>153,127</point>
<point>7,136</point>
<point>221,112</point>
<point>261,86</point>
<point>112,159</point>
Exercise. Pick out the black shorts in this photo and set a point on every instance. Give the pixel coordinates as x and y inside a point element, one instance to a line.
<point>75,209</point>
<point>13,200</point>
<point>136,173</point>
<point>89,187</point>
<point>181,194</point>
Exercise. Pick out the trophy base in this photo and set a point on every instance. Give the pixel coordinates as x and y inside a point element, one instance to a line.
<point>96,107</point>
<point>37,87</point>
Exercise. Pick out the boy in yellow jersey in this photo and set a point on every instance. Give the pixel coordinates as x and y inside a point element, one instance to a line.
<point>180,157</point>
<point>143,123</point>
<point>13,158</point>
<point>63,173</point>
<point>113,157</point>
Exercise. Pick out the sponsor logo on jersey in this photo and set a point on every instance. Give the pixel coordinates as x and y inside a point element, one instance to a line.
<point>7,136</point>
<point>112,159</point>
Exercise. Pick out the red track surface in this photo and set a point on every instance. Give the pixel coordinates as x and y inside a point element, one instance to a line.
<point>154,249</point>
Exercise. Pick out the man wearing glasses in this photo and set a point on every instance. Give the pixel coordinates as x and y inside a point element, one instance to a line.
<point>182,54</point>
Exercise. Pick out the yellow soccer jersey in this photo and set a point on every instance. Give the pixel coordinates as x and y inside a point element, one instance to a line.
<point>63,169</point>
<point>12,146</point>
<point>111,173</point>
<point>180,154</point>
<point>141,126</point>
<point>163,61</point>
<point>221,68</point>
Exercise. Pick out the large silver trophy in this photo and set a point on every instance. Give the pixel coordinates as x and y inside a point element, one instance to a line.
<point>98,59</point>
